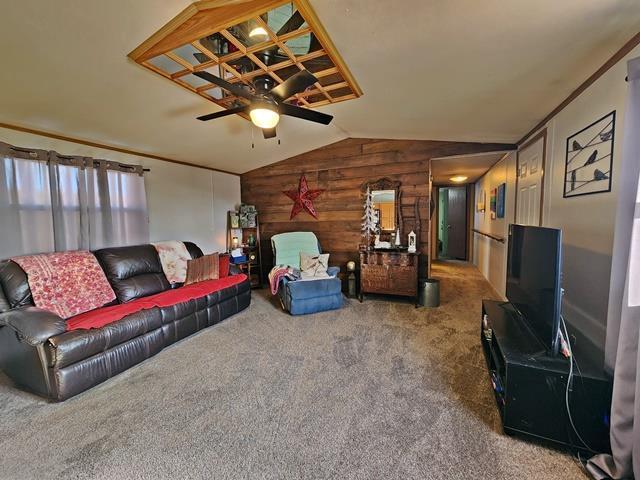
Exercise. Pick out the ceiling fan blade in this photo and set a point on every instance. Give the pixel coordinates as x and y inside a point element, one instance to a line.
<point>295,22</point>
<point>305,113</point>
<point>237,90</point>
<point>295,84</point>
<point>223,113</point>
<point>269,133</point>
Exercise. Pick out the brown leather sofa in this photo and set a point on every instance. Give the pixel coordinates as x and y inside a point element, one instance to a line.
<point>39,354</point>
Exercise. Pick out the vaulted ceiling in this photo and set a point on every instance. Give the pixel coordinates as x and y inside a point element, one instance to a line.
<point>433,69</point>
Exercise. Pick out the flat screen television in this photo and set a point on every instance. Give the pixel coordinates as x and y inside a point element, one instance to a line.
<point>534,280</point>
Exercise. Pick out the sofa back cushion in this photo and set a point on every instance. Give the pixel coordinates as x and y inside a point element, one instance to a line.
<point>4,303</point>
<point>133,272</point>
<point>14,286</point>
<point>193,250</point>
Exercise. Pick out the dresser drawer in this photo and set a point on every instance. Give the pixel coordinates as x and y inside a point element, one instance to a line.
<point>374,278</point>
<point>403,281</point>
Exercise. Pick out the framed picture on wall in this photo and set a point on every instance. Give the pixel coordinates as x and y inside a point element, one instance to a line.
<point>589,158</point>
<point>493,202</point>
<point>482,201</point>
<point>500,200</point>
<point>234,219</point>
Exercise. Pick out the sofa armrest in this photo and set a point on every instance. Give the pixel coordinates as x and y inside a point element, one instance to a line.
<point>33,325</point>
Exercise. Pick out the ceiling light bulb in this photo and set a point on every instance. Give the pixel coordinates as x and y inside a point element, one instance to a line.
<point>258,32</point>
<point>264,117</point>
<point>458,178</point>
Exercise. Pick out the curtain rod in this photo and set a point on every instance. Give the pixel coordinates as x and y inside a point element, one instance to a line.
<point>121,165</point>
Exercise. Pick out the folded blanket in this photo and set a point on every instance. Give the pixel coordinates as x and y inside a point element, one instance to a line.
<point>280,271</point>
<point>66,283</point>
<point>173,257</point>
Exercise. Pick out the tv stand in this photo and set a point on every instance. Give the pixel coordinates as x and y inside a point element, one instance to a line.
<point>529,385</point>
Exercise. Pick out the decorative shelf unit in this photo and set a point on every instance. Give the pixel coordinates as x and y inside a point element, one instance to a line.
<point>253,266</point>
<point>218,36</point>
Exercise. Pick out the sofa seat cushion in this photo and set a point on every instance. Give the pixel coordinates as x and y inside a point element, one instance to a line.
<point>106,315</point>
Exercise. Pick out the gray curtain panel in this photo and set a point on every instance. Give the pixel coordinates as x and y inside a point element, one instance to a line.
<point>52,202</point>
<point>624,312</point>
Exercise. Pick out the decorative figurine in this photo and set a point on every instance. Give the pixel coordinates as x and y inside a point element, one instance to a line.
<point>412,242</point>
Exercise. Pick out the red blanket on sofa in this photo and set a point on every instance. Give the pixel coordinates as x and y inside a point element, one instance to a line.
<point>66,283</point>
<point>103,316</point>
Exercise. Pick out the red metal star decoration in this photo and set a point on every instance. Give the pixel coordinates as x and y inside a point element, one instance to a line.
<point>303,198</point>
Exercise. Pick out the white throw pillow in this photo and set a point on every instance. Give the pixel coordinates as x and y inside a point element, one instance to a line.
<point>314,266</point>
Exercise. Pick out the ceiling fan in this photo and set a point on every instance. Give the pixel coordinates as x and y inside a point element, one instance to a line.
<point>267,101</point>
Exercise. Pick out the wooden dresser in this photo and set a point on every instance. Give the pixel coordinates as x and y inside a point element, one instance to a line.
<point>391,272</point>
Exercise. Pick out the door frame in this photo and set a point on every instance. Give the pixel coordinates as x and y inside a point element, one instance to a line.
<point>542,134</point>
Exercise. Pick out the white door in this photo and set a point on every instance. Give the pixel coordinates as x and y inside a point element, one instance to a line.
<point>530,180</point>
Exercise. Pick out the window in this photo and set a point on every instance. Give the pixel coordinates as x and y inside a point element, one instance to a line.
<point>49,202</point>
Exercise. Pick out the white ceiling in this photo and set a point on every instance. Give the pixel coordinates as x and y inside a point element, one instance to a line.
<point>470,166</point>
<point>430,69</point>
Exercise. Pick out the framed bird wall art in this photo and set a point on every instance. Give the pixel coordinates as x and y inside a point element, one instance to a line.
<point>589,159</point>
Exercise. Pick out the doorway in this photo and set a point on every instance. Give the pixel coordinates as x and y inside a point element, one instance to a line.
<point>452,223</point>
<point>530,180</point>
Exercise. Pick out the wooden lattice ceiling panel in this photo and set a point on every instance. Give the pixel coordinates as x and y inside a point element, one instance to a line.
<point>239,40</point>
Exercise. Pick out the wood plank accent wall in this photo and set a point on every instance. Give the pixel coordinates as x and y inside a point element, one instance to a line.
<point>341,169</point>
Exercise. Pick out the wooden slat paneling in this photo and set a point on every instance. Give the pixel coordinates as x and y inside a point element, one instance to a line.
<point>341,169</point>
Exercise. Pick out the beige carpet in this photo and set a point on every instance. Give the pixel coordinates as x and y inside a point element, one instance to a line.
<point>377,390</point>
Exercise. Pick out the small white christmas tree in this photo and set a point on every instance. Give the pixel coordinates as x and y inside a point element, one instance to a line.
<point>370,218</point>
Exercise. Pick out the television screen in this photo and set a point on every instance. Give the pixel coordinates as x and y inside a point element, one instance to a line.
<point>533,279</point>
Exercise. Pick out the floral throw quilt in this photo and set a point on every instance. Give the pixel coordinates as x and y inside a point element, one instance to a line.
<point>174,257</point>
<point>66,283</point>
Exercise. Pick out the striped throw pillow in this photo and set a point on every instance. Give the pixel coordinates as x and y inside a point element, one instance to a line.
<point>203,268</point>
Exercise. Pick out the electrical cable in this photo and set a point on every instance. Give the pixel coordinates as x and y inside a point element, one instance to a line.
<point>566,335</point>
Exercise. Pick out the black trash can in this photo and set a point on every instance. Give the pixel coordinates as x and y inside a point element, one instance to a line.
<point>429,289</point>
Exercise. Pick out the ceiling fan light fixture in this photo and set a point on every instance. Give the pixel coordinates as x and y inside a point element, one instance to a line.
<point>264,114</point>
<point>258,32</point>
<point>458,178</point>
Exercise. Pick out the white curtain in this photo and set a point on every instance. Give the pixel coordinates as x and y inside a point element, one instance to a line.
<point>50,202</point>
<point>623,328</point>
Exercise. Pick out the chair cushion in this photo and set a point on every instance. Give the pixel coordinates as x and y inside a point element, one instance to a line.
<point>304,289</point>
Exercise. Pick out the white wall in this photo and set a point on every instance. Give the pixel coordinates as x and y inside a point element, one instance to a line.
<point>185,203</point>
<point>587,221</point>
<point>489,255</point>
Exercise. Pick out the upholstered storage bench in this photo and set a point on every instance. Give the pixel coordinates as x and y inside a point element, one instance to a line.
<point>41,354</point>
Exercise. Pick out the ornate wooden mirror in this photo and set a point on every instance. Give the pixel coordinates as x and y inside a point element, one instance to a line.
<point>385,199</point>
